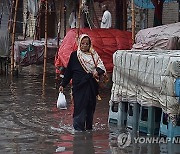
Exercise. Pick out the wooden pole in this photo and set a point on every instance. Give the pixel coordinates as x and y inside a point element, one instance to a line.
<point>10,17</point>
<point>79,19</point>
<point>45,48</point>
<point>13,38</point>
<point>59,24</point>
<point>124,14</point>
<point>133,20</point>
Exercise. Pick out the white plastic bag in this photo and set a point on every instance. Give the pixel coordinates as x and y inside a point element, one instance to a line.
<point>61,102</point>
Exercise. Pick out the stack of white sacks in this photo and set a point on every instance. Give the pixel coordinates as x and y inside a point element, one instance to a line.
<point>147,77</point>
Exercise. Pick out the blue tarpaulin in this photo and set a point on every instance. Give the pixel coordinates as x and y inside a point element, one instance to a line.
<point>147,4</point>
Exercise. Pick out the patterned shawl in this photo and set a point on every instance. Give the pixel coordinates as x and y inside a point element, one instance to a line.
<point>89,60</point>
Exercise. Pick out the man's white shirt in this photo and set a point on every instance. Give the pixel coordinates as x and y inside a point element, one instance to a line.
<point>106,20</point>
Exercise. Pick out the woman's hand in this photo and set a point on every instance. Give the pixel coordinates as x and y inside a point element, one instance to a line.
<point>95,75</point>
<point>61,89</point>
<point>106,78</point>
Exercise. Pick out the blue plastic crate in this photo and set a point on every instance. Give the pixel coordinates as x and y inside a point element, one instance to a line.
<point>117,115</point>
<point>149,120</point>
<point>133,115</point>
<point>177,88</point>
<point>167,129</point>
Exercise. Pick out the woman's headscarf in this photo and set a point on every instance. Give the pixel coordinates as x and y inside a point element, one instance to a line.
<point>89,60</point>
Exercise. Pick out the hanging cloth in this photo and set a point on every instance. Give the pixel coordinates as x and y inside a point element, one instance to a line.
<point>33,7</point>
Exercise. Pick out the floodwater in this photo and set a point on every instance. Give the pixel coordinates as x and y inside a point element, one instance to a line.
<point>30,123</point>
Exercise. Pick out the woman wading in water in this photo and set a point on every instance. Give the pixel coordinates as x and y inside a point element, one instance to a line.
<point>84,68</point>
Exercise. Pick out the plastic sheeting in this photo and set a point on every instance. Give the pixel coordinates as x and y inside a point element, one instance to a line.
<point>147,77</point>
<point>105,42</point>
<point>4,34</point>
<point>32,51</point>
<point>156,38</point>
<point>4,44</point>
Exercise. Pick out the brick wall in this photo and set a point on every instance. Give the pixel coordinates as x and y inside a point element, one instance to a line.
<point>99,13</point>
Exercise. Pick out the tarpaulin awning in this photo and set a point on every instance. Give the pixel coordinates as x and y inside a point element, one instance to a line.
<point>105,42</point>
<point>147,4</point>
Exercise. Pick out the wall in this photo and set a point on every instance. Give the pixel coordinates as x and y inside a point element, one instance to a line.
<point>99,13</point>
<point>170,14</point>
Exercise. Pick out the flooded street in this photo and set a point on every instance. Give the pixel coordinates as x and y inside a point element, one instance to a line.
<point>30,123</point>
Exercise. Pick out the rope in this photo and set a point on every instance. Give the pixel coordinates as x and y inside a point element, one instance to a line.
<point>88,17</point>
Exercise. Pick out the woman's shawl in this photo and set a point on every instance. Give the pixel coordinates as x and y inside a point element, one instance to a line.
<point>89,60</point>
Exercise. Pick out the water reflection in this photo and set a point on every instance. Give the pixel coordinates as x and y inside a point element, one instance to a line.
<point>83,143</point>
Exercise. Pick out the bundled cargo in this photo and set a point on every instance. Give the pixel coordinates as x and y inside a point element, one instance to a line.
<point>147,77</point>
<point>165,37</point>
